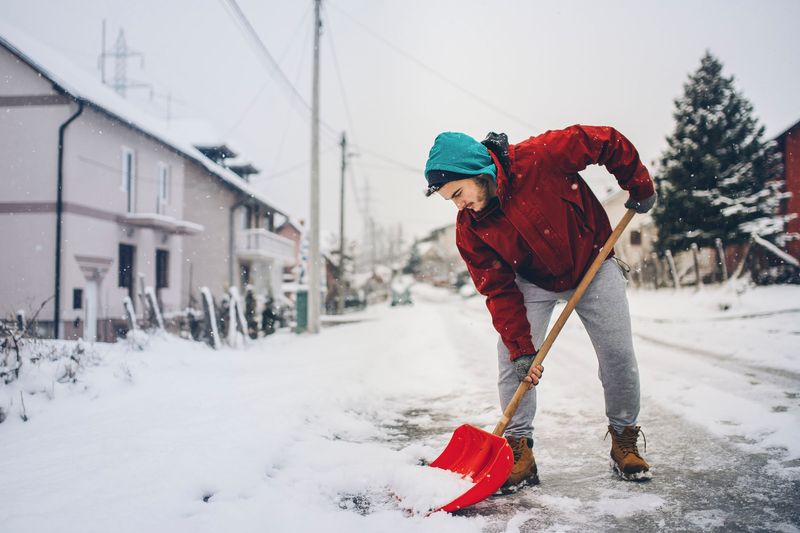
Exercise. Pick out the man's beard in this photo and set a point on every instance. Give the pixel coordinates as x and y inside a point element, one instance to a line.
<point>482,196</point>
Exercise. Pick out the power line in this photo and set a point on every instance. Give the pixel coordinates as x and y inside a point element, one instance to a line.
<point>289,169</point>
<point>379,166</point>
<point>432,70</point>
<point>252,37</point>
<point>343,93</point>
<point>300,64</point>
<point>399,164</point>
<point>357,195</point>
<point>264,85</point>
<point>250,34</point>
<point>363,208</point>
<point>339,78</point>
<point>263,52</point>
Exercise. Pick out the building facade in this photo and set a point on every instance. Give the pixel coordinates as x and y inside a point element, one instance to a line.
<point>239,246</point>
<point>789,145</point>
<point>99,202</point>
<point>441,262</point>
<point>636,243</point>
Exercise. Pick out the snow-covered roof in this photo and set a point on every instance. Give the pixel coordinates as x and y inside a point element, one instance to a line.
<point>424,247</point>
<point>82,87</point>
<point>197,131</point>
<point>436,232</point>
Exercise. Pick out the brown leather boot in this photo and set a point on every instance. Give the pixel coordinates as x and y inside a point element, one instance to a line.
<point>524,471</point>
<point>625,458</point>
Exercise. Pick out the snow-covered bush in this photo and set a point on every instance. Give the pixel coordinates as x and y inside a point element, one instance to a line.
<point>40,365</point>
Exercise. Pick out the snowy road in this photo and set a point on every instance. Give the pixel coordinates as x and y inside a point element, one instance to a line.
<point>701,481</point>
<point>327,433</point>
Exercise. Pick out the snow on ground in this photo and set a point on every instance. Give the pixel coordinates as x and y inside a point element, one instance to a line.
<point>265,434</point>
<point>728,360</point>
<point>332,432</point>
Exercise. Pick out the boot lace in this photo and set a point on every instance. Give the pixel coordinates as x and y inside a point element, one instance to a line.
<point>516,447</point>
<point>627,441</point>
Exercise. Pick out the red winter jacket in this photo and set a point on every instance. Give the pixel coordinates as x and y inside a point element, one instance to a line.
<point>545,224</point>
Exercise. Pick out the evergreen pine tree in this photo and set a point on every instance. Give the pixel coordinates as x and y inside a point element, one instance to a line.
<point>717,176</point>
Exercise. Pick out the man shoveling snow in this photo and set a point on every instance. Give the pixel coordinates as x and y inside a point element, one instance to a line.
<point>528,227</point>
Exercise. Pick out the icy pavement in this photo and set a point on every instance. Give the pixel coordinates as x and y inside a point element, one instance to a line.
<point>330,433</point>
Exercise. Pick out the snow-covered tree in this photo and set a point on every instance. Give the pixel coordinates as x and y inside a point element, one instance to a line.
<point>717,178</point>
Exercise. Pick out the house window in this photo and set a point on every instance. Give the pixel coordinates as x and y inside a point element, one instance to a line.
<point>163,188</point>
<point>77,298</point>
<point>636,238</point>
<point>162,269</point>
<point>127,254</point>
<point>129,178</point>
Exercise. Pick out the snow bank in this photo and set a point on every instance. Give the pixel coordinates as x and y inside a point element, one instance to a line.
<point>332,432</point>
<point>287,434</point>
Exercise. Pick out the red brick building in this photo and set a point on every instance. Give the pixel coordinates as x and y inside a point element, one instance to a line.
<point>291,231</point>
<point>789,145</point>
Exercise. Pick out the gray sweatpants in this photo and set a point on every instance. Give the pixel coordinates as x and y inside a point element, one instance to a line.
<point>603,309</point>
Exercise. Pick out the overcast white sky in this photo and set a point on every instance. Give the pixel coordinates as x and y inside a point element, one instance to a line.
<point>541,65</point>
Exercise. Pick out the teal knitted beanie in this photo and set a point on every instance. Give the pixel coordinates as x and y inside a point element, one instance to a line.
<point>457,156</point>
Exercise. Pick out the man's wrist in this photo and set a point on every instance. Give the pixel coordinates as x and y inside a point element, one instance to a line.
<point>522,365</point>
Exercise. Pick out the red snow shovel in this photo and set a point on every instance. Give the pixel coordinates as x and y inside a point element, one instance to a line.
<point>486,457</point>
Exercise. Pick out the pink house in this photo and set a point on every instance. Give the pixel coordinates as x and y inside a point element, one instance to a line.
<point>98,200</point>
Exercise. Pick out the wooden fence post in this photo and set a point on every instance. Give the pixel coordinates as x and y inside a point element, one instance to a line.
<point>142,300</point>
<point>210,330</point>
<point>696,260</point>
<point>721,259</point>
<point>673,271</point>
<point>654,257</point>
<point>153,311</point>
<point>236,320</point>
<point>130,313</point>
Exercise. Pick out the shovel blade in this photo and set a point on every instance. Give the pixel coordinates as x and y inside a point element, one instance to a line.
<point>481,456</point>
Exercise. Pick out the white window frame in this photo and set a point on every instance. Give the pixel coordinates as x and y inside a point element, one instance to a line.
<point>163,193</point>
<point>129,178</point>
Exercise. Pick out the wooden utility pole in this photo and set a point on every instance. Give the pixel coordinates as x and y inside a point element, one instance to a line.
<point>314,255</point>
<point>340,282</point>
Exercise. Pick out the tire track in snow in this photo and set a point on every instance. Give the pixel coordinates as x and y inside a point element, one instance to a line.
<point>791,379</point>
<point>701,481</point>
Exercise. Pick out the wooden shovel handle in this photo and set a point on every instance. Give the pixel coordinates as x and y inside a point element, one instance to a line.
<point>511,408</point>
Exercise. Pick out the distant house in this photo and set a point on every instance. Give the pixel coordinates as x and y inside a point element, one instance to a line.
<point>293,231</point>
<point>440,260</point>
<point>789,145</point>
<point>241,245</point>
<point>97,199</point>
<point>636,242</point>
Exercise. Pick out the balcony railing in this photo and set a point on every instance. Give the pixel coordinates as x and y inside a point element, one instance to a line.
<point>262,244</point>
